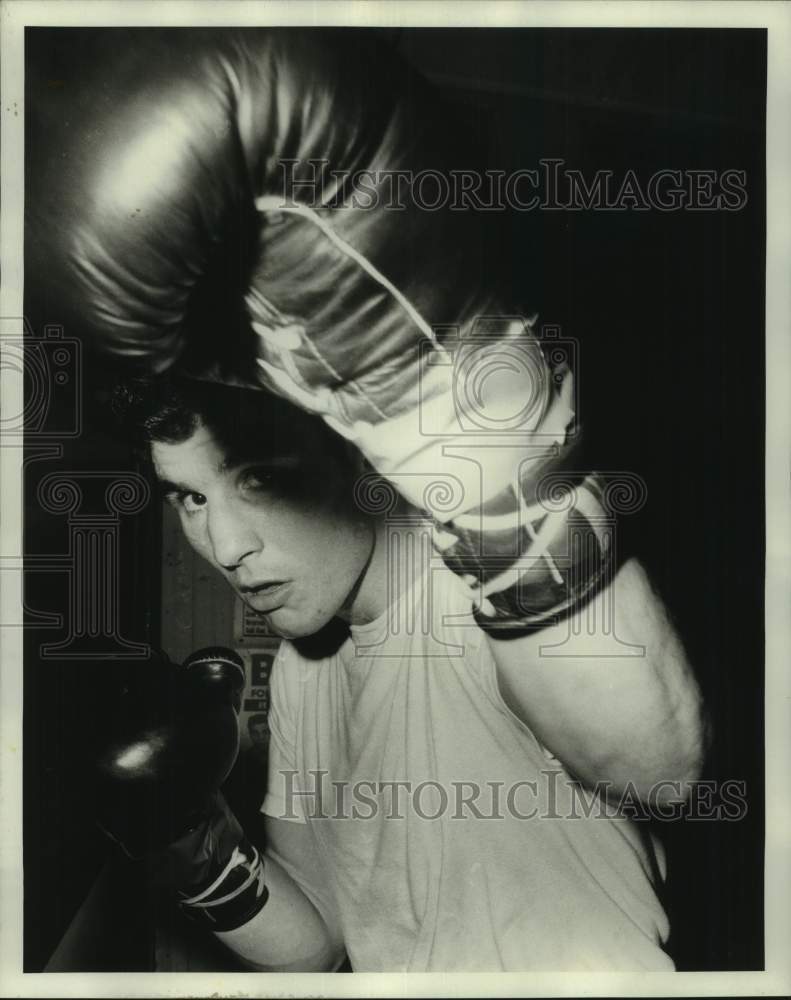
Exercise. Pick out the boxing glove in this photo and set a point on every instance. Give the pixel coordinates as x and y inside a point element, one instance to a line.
<point>283,208</point>
<point>174,738</point>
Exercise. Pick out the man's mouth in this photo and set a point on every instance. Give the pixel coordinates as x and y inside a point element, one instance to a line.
<point>264,597</point>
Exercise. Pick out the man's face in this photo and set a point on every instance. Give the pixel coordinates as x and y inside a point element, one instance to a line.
<point>259,734</point>
<point>283,531</point>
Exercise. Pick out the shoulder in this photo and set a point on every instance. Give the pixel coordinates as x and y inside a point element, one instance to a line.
<point>298,661</point>
<point>286,676</point>
<point>455,633</point>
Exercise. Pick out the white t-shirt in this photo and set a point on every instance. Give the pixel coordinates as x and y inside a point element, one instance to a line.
<point>451,839</point>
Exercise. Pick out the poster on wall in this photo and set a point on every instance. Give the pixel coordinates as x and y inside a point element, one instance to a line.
<point>258,666</point>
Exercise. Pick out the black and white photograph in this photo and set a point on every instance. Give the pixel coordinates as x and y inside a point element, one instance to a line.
<point>395,525</point>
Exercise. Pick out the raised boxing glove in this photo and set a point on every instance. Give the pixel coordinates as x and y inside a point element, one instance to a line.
<point>251,205</point>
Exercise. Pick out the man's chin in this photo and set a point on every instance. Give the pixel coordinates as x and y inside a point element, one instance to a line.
<point>287,624</point>
<point>279,625</point>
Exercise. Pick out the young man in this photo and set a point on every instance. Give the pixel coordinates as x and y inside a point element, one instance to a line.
<point>438,799</point>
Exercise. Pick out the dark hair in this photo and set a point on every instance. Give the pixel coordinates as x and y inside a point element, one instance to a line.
<point>169,408</point>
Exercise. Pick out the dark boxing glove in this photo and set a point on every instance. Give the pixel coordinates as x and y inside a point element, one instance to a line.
<point>175,737</point>
<point>287,209</point>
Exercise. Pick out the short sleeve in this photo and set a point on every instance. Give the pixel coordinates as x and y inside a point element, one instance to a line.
<point>479,661</point>
<point>484,668</point>
<point>280,802</point>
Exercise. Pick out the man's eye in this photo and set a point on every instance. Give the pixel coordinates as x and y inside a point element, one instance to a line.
<point>263,479</point>
<point>280,474</point>
<point>259,478</point>
<point>193,501</point>
<point>189,502</point>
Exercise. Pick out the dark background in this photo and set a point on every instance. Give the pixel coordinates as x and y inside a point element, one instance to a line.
<point>669,311</point>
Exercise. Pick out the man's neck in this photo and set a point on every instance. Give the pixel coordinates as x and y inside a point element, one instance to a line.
<point>378,586</point>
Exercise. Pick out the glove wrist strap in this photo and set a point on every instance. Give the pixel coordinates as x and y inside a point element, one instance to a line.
<point>217,872</point>
<point>527,568</point>
<point>234,896</point>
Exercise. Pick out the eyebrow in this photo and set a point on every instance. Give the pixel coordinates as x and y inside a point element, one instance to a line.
<point>228,464</point>
<point>165,486</point>
<point>232,462</point>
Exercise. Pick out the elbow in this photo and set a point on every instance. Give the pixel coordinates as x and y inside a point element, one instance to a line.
<point>691,764</point>
<point>683,739</point>
<point>704,736</point>
<point>694,737</point>
<point>682,765</point>
<point>669,765</point>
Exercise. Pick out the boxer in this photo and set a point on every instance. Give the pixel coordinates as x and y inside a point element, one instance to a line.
<point>389,380</point>
<point>427,807</point>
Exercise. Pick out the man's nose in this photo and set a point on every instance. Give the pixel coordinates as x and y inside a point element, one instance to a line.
<point>231,537</point>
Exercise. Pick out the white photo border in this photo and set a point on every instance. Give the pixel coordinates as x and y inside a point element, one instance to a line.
<point>15,15</point>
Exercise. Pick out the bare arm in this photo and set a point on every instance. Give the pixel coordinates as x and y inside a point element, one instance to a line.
<point>295,931</point>
<point>624,719</point>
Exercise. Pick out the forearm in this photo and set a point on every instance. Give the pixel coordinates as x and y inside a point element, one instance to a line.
<point>625,719</point>
<point>288,934</point>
